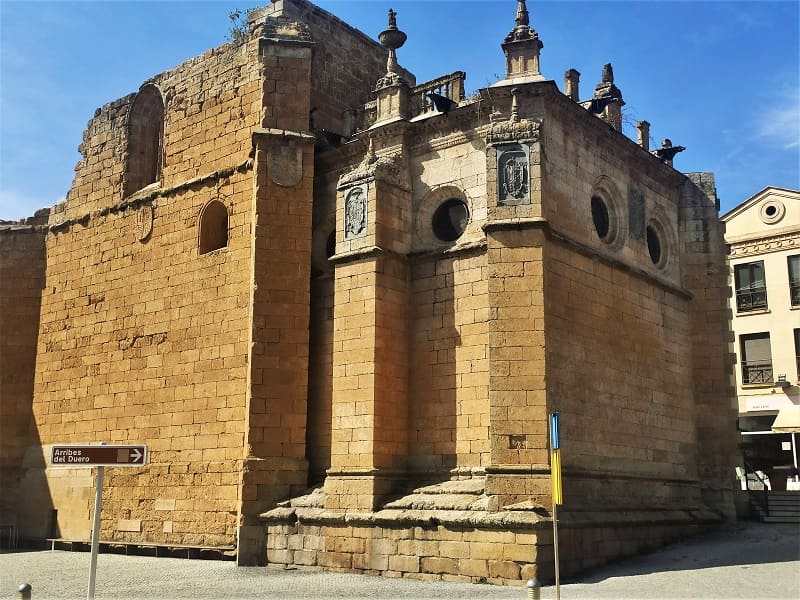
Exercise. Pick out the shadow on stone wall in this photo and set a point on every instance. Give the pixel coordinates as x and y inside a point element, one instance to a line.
<point>320,378</point>
<point>26,507</point>
<point>434,385</point>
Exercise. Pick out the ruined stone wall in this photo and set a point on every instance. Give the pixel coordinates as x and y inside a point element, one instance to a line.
<point>156,344</point>
<point>145,341</point>
<point>211,104</point>
<point>22,268</point>
<point>142,339</point>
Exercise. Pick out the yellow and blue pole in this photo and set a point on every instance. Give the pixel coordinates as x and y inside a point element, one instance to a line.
<point>558,498</point>
<point>555,459</point>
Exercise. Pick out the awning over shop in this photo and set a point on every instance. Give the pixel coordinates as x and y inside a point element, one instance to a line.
<point>756,423</point>
<point>788,420</point>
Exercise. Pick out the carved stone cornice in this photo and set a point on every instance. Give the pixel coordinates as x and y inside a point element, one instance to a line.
<point>448,141</point>
<point>510,131</point>
<point>384,168</point>
<point>787,241</point>
<point>459,126</point>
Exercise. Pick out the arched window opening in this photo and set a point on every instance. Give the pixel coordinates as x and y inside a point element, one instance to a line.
<point>145,139</point>
<point>213,227</point>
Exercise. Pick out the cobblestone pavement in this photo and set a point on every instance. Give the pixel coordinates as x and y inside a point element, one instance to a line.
<point>747,560</point>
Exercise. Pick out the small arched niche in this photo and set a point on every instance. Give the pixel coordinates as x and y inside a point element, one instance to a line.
<point>213,227</point>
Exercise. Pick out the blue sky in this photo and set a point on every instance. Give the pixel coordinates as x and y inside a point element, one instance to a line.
<point>721,78</point>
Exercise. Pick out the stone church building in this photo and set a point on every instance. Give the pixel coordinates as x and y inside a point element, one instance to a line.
<point>338,306</point>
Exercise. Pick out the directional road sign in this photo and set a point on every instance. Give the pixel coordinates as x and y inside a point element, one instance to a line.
<point>98,456</point>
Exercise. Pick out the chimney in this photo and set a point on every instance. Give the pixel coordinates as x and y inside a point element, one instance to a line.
<point>571,79</point>
<point>643,135</point>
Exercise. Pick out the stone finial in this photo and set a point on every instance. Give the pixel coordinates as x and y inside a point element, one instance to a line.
<point>514,105</point>
<point>643,135</point>
<point>667,151</point>
<point>370,156</point>
<point>392,92</point>
<point>606,87</point>
<point>521,47</point>
<point>392,39</point>
<point>608,74</point>
<point>571,82</point>
<point>522,18</point>
<point>608,100</point>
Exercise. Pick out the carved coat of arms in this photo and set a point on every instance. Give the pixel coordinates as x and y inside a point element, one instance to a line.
<point>355,212</point>
<point>513,175</point>
<point>286,165</point>
<point>144,222</point>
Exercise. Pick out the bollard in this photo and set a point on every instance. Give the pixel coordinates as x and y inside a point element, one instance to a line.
<point>534,589</point>
<point>24,591</point>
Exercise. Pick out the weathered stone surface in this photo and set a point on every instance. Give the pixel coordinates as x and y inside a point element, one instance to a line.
<point>366,385</point>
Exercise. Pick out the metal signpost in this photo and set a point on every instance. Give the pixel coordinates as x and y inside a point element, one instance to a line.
<point>555,468</point>
<point>99,456</point>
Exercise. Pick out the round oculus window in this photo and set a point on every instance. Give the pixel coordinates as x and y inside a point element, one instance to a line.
<point>772,211</point>
<point>450,220</point>
<point>653,245</point>
<point>600,217</point>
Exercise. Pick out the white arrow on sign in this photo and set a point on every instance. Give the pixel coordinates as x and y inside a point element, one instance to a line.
<point>136,455</point>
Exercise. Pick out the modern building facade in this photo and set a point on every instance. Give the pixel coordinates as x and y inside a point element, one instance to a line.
<point>764,237</point>
<point>339,305</point>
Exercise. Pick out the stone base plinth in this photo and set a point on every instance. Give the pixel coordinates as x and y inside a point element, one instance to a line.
<point>442,533</point>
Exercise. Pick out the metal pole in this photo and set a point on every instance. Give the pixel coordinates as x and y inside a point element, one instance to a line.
<point>555,549</point>
<point>98,500</point>
<point>534,589</point>
<point>24,591</point>
<point>794,456</point>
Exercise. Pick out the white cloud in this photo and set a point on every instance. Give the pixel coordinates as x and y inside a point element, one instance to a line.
<point>779,123</point>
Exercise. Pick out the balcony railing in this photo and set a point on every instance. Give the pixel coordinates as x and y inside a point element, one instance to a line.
<point>450,86</point>
<point>757,372</point>
<point>751,299</point>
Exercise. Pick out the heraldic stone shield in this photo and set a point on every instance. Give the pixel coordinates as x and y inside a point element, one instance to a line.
<point>513,174</point>
<point>144,221</point>
<point>286,165</point>
<point>355,212</point>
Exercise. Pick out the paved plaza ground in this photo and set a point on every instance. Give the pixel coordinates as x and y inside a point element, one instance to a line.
<point>745,560</point>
